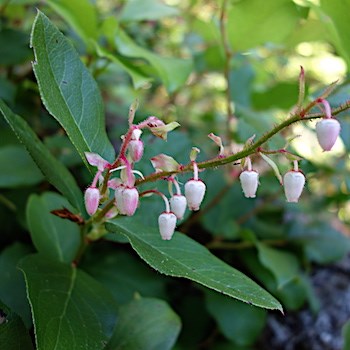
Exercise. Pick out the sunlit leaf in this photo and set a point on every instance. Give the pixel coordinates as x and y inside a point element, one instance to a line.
<point>68,90</point>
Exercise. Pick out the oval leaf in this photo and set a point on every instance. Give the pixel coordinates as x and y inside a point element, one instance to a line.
<point>156,328</point>
<point>22,172</point>
<point>13,333</point>
<point>70,309</point>
<point>183,257</point>
<point>68,90</point>
<point>56,173</point>
<point>52,236</point>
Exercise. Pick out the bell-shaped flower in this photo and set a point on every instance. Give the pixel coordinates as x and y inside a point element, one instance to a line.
<point>167,224</point>
<point>130,200</point>
<point>92,200</point>
<point>135,148</point>
<point>178,205</point>
<point>327,131</point>
<point>194,192</point>
<point>249,181</point>
<point>293,182</point>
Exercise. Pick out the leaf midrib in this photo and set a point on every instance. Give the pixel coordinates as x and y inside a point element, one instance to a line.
<point>198,280</point>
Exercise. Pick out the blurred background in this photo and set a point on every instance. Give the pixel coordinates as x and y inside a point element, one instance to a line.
<point>227,67</point>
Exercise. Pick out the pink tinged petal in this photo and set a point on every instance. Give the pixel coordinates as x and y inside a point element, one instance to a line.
<point>130,200</point>
<point>95,159</point>
<point>194,192</point>
<point>153,122</point>
<point>114,183</point>
<point>293,182</point>
<point>112,213</point>
<point>249,182</point>
<point>92,200</point>
<point>118,194</point>
<point>167,224</point>
<point>162,162</point>
<point>162,131</point>
<point>178,204</point>
<point>135,148</point>
<point>327,131</point>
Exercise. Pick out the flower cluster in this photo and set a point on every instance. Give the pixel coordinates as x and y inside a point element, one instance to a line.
<point>327,131</point>
<point>126,196</point>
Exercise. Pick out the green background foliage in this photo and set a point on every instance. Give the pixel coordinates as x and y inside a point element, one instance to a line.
<point>70,94</point>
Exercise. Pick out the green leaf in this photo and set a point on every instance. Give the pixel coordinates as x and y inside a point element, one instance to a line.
<point>54,237</point>
<point>283,265</point>
<point>150,10</point>
<point>14,47</point>
<point>13,333</point>
<point>134,277</point>
<point>316,245</point>
<point>68,90</point>
<point>240,323</point>
<point>13,289</point>
<point>172,71</point>
<point>147,324</point>
<point>55,172</point>
<point>70,309</point>
<point>275,21</point>
<point>346,335</point>
<point>22,172</point>
<point>139,79</point>
<point>339,26</point>
<point>80,14</point>
<point>183,257</point>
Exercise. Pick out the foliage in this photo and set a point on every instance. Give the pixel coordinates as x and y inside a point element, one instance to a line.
<point>74,281</point>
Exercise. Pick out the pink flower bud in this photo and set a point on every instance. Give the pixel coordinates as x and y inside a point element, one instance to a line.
<point>135,150</point>
<point>130,200</point>
<point>327,131</point>
<point>167,224</point>
<point>293,185</point>
<point>194,192</point>
<point>249,181</point>
<point>178,205</point>
<point>92,200</point>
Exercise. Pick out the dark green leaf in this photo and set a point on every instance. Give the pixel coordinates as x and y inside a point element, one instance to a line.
<point>13,289</point>
<point>68,91</point>
<point>147,324</point>
<point>13,333</point>
<point>283,265</point>
<point>70,309</point>
<point>140,10</point>
<point>14,47</point>
<point>54,171</point>
<point>240,323</point>
<point>134,277</point>
<point>316,246</point>
<point>22,172</point>
<point>346,335</point>
<point>183,257</point>
<point>52,236</point>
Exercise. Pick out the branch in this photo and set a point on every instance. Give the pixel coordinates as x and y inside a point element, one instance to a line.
<point>219,161</point>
